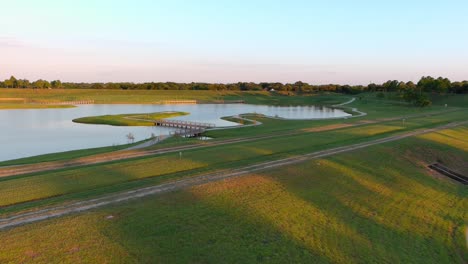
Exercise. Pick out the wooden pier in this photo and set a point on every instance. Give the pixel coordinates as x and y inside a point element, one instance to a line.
<point>202,102</point>
<point>179,102</point>
<point>187,125</point>
<point>51,102</point>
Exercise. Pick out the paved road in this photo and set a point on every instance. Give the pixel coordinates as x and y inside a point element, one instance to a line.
<point>58,211</point>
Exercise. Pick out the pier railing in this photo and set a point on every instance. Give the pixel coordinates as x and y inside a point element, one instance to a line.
<point>183,124</point>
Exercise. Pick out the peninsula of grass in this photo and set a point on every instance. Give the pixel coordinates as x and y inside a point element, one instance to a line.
<point>239,119</point>
<point>128,119</point>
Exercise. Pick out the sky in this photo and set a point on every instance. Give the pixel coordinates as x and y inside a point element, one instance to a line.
<point>219,41</point>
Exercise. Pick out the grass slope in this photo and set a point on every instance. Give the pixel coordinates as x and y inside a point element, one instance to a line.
<point>99,178</point>
<point>375,205</point>
<point>10,106</point>
<point>67,155</point>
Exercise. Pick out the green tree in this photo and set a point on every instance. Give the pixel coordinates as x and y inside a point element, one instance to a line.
<point>11,83</point>
<point>57,84</point>
<point>390,86</point>
<point>41,84</point>
<point>97,86</point>
<point>442,85</point>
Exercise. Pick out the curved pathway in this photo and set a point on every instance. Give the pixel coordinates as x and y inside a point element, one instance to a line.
<point>346,103</point>
<point>359,113</point>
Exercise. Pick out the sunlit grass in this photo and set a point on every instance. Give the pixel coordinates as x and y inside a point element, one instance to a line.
<point>457,138</point>
<point>24,189</point>
<point>78,240</point>
<point>374,205</point>
<point>373,130</point>
<point>265,200</point>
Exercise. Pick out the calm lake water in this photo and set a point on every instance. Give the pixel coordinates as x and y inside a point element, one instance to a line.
<point>33,132</point>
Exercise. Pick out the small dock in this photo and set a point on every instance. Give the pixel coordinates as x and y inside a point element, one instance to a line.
<point>179,102</point>
<point>51,102</point>
<point>186,125</point>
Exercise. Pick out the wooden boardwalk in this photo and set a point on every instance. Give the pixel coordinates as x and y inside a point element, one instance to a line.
<point>185,128</point>
<point>202,102</point>
<point>50,102</point>
<point>183,124</point>
<point>179,102</point>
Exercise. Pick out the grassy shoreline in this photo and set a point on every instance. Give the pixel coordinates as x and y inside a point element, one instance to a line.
<point>19,106</point>
<point>145,119</point>
<point>160,96</point>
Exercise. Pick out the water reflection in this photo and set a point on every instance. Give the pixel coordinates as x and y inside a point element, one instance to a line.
<point>39,131</point>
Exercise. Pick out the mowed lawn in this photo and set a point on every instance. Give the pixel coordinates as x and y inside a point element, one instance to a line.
<point>375,205</point>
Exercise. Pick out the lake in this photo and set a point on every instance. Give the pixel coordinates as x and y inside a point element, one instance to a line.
<point>30,132</point>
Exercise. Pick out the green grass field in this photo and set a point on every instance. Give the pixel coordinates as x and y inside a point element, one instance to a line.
<point>39,186</point>
<point>146,119</point>
<point>122,96</point>
<point>373,205</point>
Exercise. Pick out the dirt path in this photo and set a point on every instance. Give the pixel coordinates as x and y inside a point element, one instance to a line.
<point>128,154</point>
<point>58,211</point>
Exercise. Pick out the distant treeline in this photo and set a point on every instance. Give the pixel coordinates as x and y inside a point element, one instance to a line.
<point>426,84</point>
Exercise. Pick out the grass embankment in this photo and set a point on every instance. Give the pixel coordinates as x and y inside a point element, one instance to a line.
<point>119,96</point>
<point>156,96</point>
<point>91,180</point>
<point>8,106</point>
<point>68,155</point>
<point>128,119</point>
<point>375,205</point>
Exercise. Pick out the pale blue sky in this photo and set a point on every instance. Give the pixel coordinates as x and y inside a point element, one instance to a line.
<point>332,41</point>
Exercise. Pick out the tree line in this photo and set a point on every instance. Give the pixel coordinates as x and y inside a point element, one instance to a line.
<point>425,85</point>
<point>24,83</point>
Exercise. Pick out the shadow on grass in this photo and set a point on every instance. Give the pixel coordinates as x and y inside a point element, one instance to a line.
<point>407,217</point>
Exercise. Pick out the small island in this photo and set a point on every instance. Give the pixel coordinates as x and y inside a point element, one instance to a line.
<point>146,119</point>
